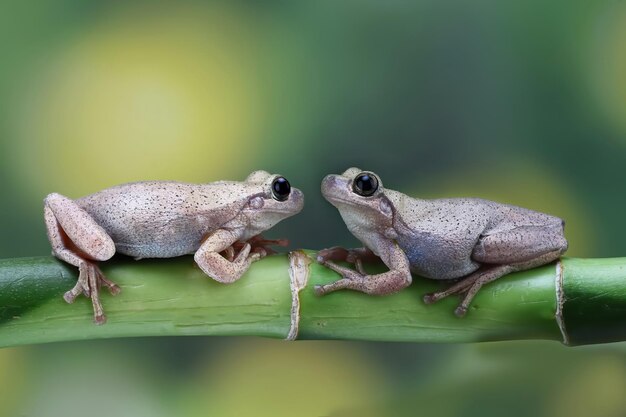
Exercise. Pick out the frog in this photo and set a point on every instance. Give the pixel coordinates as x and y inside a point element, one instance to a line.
<point>220,223</point>
<point>468,242</point>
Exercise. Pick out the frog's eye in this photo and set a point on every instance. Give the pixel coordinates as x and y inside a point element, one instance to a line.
<point>365,184</point>
<point>280,188</point>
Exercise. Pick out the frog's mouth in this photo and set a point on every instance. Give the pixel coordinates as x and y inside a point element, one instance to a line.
<point>335,199</point>
<point>340,202</point>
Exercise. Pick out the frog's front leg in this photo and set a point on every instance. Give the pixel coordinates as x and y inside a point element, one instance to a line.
<point>397,278</point>
<point>78,240</point>
<point>218,267</point>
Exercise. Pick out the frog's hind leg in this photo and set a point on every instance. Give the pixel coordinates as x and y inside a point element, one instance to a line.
<point>502,253</point>
<point>459,287</point>
<point>470,286</point>
<point>78,240</point>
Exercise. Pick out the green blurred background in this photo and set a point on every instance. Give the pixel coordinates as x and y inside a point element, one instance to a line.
<point>521,102</point>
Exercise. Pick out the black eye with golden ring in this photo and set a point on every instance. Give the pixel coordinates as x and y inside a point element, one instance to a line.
<point>281,189</point>
<point>365,184</point>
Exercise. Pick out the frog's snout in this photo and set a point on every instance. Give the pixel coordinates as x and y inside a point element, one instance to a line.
<point>297,199</point>
<point>330,183</point>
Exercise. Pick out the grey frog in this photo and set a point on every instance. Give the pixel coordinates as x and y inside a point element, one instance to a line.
<point>443,239</point>
<point>219,222</point>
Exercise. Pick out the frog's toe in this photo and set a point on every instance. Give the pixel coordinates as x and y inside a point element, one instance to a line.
<point>114,289</point>
<point>342,270</point>
<point>256,256</point>
<point>90,279</point>
<point>337,285</point>
<point>70,296</point>
<point>433,297</point>
<point>325,289</point>
<point>429,298</point>
<point>99,319</point>
<point>323,258</point>
<point>460,311</point>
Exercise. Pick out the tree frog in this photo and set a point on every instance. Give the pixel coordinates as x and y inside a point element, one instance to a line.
<point>471,240</point>
<point>220,223</point>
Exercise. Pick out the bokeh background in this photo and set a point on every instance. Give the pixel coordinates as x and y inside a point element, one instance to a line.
<point>521,102</point>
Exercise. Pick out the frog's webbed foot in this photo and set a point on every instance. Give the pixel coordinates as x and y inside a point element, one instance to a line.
<point>469,286</point>
<point>90,279</point>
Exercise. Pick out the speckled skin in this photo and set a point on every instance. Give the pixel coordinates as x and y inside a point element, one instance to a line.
<point>441,239</point>
<point>166,219</point>
<point>162,219</point>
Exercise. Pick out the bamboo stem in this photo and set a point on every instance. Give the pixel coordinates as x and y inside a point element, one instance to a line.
<point>173,297</point>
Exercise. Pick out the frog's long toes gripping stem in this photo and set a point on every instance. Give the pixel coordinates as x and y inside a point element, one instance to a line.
<point>90,279</point>
<point>350,279</point>
<point>460,311</point>
<point>334,286</point>
<point>457,288</point>
<point>319,290</point>
<point>432,298</point>
<point>429,298</point>
<point>469,286</point>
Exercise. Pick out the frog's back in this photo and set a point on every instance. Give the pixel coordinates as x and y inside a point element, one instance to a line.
<point>160,219</point>
<point>507,217</point>
<point>439,236</point>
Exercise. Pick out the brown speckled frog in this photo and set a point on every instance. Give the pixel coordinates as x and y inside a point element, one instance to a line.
<point>445,239</point>
<point>162,219</point>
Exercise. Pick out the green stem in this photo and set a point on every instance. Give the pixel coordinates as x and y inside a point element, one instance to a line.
<point>173,297</point>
